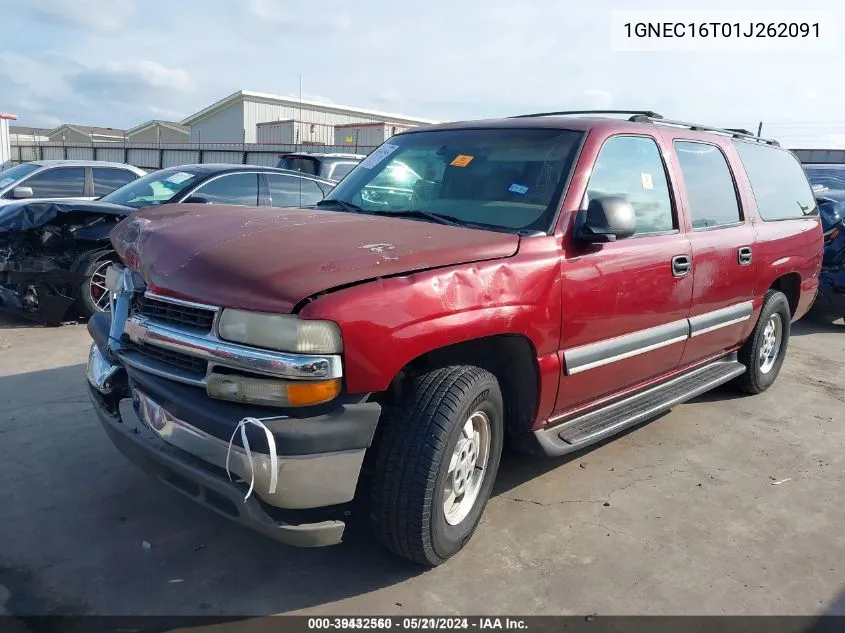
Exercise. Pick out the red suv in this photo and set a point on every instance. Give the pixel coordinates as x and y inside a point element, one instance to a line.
<point>551,278</point>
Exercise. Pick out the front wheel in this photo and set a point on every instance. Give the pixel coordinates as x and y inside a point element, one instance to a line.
<point>436,463</point>
<point>93,294</point>
<point>765,349</point>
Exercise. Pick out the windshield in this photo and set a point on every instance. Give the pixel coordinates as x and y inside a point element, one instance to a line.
<point>503,179</point>
<point>16,173</point>
<point>830,176</point>
<point>152,189</point>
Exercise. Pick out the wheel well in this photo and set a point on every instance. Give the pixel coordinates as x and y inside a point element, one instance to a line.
<point>511,358</point>
<point>790,286</point>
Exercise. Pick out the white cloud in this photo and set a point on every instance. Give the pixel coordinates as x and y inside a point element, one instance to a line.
<point>120,80</point>
<point>92,15</point>
<point>297,14</point>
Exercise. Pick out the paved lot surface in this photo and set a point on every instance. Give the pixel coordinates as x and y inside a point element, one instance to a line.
<point>681,515</point>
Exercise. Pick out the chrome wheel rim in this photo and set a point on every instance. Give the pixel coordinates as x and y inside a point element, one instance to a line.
<point>467,468</point>
<point>770,347</point>
<point>97,289</point>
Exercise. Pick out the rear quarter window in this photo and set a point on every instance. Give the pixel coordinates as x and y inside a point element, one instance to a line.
<point>778,182</point>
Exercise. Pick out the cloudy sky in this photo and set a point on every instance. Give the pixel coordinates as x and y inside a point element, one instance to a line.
<point>118,63</point>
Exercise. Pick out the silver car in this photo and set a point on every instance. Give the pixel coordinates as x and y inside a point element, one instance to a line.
<point>63,179</point>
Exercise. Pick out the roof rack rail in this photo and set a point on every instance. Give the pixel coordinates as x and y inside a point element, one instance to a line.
<point>646,113</point>
<point>697,127</point>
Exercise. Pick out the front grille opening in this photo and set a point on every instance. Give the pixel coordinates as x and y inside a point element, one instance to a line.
<point>175,313</point>
<point>169,357</point>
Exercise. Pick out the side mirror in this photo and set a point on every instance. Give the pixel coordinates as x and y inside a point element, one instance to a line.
<point>22,192</point>
<point>605,220</point>
<point>197,199</point>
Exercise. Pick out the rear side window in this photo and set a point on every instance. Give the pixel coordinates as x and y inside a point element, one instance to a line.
<point>339,170</point>
<point>59,182</point>
<point>630,167</point>
<point>238,189</point>
<point>711,194</point>
<point>107,180</point>
<point>299,163</point>
<point>290,191</point>
<point>778,182</point>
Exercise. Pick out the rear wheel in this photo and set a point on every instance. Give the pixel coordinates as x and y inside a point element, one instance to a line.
<point>765,349</point>
<point>436,463</point>
<point>93,294</point>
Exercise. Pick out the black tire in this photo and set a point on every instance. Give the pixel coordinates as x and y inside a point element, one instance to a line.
<point>407,490</point>
<point>87,300</point>
<point>755,379</point>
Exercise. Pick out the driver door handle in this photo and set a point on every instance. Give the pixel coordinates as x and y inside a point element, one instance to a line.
<point>681,265</point>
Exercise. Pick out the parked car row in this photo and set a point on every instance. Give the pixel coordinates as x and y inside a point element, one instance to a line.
<point>54,252</point>
<point>550,278</point>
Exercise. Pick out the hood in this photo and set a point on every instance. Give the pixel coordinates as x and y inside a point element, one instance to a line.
<point>22,216</point>
<point>269,259</point>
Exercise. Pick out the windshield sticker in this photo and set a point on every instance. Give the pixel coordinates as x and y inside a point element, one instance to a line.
<point>179,177</point>
<point>461,160</point>
<point>378,155</point>
<point>520,189</point>
<point>647,183</point>
<point>6,182</point>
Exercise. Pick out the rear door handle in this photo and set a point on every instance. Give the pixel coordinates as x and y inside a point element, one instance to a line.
<point>744,255</point>
<point>681,265</point>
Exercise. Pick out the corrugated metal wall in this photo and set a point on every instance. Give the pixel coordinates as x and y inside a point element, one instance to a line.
<point>143,158</point>
<point>255,113</point>
<point>225,126</point>
<point>154,156</point>
<point>366,135</point>
<point>294,132</point>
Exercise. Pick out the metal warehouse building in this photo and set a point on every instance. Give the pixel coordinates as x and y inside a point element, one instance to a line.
<point>156,131</point>
<point>235,118</point>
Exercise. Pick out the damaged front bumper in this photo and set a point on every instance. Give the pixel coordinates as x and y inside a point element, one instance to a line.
<point>173,432</point>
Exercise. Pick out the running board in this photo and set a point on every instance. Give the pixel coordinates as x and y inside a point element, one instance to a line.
<point>575,433</point>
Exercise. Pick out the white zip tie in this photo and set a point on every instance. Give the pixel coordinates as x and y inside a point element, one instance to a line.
<point>271,443</point>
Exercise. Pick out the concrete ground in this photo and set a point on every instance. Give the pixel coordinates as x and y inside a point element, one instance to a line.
<point>727,504</point>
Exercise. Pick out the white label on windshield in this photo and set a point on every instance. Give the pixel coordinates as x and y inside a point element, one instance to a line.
<point>178,177</point>
<point>378,155</point>
<point>6,182</point>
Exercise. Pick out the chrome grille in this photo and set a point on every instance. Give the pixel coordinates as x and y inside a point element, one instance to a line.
<point>182,314</point>
<point>179,360</point>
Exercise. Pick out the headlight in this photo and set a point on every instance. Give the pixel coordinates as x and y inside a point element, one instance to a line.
<point>283,332</point>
